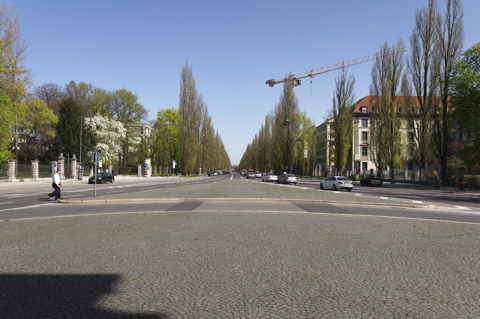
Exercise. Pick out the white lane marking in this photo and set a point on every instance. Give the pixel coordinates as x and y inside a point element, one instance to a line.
<point>7,203</point>
<point>14,196</point>
<point>113,192</point>
<point>384,197</point>
<point>417,201</point>
<point>305,188</point>
<point>231,177</point>
<point>358,194</point>
<point>462,207</point>
<point>18,208</point>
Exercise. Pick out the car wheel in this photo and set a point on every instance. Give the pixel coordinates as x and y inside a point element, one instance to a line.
<point>349,189</point>
<point>103,181</point>
<point>295,183</point>
<point>321,186</point>
<point>112,180</point>
<point>334,187</point>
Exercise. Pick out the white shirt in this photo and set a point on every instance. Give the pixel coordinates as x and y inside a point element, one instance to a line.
<point>56,179</point>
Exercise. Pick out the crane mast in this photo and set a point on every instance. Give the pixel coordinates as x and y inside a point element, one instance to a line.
<point>296,78</point>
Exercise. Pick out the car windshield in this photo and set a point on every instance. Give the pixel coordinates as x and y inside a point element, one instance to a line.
<point>343,179</point>
<point>100,174</point>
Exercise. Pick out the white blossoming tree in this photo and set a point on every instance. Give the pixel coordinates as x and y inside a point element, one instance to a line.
<point>107,134</point>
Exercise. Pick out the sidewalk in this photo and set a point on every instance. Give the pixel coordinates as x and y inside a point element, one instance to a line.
<point>47,182</point>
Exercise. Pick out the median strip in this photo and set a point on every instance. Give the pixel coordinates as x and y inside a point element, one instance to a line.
<point>241,200</point>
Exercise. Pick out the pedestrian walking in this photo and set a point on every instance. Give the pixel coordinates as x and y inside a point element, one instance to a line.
<point>56,186</point>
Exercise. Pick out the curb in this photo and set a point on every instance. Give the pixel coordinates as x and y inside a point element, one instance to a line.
<point>237,200</point>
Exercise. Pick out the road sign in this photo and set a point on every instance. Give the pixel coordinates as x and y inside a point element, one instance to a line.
<point>96,156</point>
<point>54,165</point>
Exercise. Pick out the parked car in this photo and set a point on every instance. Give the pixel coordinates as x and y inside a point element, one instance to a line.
<point>250,175</point>
<point>337,182</point>
<point>258,175</point>
<point>211,174</point>
<point>287,179</point>
<point>114,172</point>
<point>371,181</point>
<point>102,178</point>
<point>269,178</point>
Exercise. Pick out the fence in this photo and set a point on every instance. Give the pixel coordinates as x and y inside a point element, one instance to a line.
<point>129,170</point>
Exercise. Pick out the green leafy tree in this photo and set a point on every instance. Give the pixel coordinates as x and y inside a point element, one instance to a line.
<point>7,119</point>
<point>37,126</point>
<point>465,88</point>
<point>386,80</point>
<point>189,108</point>
<point>166,137</point>
<point>341,119</point>
<point>68,131</point>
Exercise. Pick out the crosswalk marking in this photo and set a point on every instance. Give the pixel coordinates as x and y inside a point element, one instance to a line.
<point>462,207</point>
<point>417,201</point>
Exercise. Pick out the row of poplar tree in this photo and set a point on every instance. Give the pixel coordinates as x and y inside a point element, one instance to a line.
<point>425,93</point>
<point>40,122</point>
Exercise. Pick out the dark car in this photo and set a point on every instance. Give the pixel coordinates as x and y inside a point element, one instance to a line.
<point>114,172</point>
<point>102,178</point>
<point>211,174</point>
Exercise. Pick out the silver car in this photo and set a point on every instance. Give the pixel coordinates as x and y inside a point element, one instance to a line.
<point>258,175</point>
<point>287,179</point>
<point>269,177</point>
<point>250,175</point>
<point>337,182</point>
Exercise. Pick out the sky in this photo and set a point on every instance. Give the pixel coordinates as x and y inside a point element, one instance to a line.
<point>234,47</point>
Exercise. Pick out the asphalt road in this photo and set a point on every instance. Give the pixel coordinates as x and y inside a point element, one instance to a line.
<point>445,198</point>
<point>34,204</point>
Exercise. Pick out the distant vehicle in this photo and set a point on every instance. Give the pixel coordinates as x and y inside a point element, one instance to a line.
<point>258,175</point>
<point>250,175</point>
<point>269,177</point>
<point>371,181</point>
<point>337,182</point>
<point>287,179</point>
<point>114,172</point>
<point>102,178</point>
<point>211,174</point>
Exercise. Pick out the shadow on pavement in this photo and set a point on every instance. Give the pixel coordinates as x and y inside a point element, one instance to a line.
<point>55,296</point>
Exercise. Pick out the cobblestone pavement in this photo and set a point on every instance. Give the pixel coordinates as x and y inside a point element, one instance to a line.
<point>237,188</point>
<point>238,265</point>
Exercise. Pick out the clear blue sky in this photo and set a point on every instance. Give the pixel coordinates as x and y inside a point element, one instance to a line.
<point>233,47</point>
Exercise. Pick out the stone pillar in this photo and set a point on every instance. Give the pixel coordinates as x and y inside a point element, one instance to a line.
<point>155,170</point>
<point>148,168</point>
<point>11,171</point>
<point>139,171</point>
<point>73,167</point>
<point>90,173</point>
<point>35,170</point>
<point>61,165</point>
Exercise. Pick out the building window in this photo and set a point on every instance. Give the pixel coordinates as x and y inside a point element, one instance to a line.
<point>364,151</point>
<point>364,136</point>
<point>417,110</point>
<point>364,123</point>
<point>363,109</point>
<point>364,166</point>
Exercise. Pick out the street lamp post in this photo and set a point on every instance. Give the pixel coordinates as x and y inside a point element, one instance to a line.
<point>288,149</point>
<point>80,164</point>
<point>353,149</point>
<point>392,178</point>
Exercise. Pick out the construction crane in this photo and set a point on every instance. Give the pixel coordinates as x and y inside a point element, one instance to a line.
<point>296,79</point>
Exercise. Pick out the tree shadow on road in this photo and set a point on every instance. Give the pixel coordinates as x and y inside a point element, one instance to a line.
<point>52,296</point>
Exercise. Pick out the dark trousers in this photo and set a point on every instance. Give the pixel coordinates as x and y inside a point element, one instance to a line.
<point>56,191</point>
